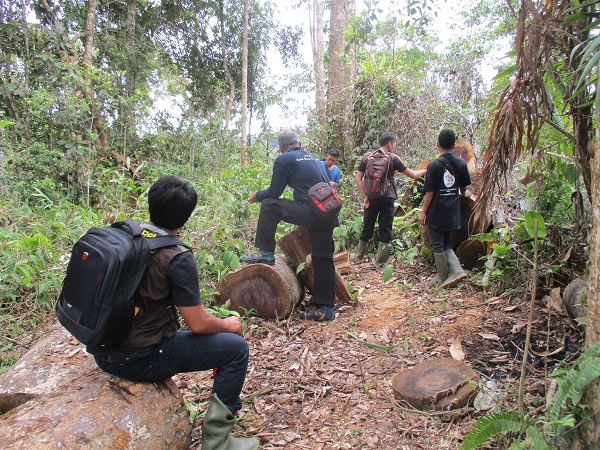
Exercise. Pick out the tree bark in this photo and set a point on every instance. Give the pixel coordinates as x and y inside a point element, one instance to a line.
<point>244,155</point>
<point>226,70</point>
<point>340,73</point>
<point>130,78</point>
<point>315,9</point>
<point>592,392</point>
<point>97,124</point>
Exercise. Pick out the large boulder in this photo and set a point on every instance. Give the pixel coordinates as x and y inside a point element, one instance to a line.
<point>56,397</point>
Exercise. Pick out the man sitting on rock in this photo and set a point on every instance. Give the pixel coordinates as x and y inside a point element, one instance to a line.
<point>155,349</point>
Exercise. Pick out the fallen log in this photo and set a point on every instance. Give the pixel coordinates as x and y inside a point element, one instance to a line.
<point>56,397</point>
<point>272,291</point>
<point>297,247</point>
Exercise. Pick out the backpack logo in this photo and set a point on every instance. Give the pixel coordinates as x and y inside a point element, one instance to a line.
<point>376,174</point>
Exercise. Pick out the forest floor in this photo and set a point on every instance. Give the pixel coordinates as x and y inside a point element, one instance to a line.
<point>317,386</point>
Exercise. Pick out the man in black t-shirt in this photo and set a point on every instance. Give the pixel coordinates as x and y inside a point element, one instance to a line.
<point>156,349</point>
<point>447,178</point>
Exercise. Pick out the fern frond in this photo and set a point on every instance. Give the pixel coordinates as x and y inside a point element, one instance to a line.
<point>536,440</point>
<point>493,425</point>
<point>584,371</point>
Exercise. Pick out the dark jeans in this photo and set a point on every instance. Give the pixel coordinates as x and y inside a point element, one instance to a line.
<point>190,352</point>
<point>320,232</point>
<point>382,211</point>
<point>439,240</point>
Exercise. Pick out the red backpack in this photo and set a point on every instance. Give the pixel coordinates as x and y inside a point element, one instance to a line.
<point>376,174</point>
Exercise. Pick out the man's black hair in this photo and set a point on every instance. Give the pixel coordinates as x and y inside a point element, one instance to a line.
<point>386,137</point>
<point>447,139</point>
<point>334,152</point>
<point>171,201</point>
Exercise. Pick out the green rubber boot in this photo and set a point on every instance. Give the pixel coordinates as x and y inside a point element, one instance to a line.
<point>455,271</point>
<point>383,253</point>
<point>361,250</point>
<point>218,423</point>
<point>442,267</point>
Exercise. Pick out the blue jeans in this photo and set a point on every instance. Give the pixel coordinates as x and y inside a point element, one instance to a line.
<point>190,352</point>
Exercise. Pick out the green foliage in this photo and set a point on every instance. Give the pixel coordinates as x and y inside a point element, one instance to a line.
<point>387,273</point>
<point>558,422</point>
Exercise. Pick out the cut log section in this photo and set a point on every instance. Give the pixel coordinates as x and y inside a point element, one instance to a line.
<point>297,247</point>
<point>272,291</point>
<point>436,385</point>
<point>574,299</point>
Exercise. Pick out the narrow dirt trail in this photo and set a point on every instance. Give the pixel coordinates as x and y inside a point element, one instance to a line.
<point>316,386</point>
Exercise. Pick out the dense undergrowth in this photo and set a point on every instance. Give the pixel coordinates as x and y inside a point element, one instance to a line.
<point>43,212</point>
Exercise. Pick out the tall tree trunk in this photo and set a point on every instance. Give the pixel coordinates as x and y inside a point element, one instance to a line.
<point>315,9</point>
<point>244,156</point>
<point>226,70</point>
<point>130,80</point>
<point>26,115</point>
<point>592,332</point>
<point>90,25</point>
<point>340,74</point>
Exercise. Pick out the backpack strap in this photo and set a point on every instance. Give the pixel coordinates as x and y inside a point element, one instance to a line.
<point>447,162</point>
<point>325,179</point>
<point>163,240</point>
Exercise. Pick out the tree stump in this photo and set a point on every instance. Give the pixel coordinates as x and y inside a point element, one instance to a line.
<point>56,397</point>
<point>341,261</point>
<point>272,291</point>
<point>470,253</point>
<point>297,247</point>
<point>573,297</point>
<point>436,385</point>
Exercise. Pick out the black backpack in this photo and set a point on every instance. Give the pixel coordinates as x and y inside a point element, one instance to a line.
<point>376,174</point>
<point>96,304</point>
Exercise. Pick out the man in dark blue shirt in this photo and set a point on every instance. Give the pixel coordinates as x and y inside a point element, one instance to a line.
<point>329,165</point>
<point>300,170</point>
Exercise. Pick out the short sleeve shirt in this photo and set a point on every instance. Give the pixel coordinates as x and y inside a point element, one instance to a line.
<point>443,213</point>
<point>333,174</point>
<point>396,166</point>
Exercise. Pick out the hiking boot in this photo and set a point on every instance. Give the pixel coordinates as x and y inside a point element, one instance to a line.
<point>320,314</point>
<point>259,257</point>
